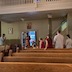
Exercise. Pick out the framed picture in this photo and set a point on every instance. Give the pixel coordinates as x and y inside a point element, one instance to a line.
<point>29,25</point>
<point>10,30</point>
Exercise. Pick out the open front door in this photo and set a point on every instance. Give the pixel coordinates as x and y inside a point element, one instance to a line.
<point>32,35</point>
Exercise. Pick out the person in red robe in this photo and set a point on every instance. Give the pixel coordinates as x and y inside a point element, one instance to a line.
<point>48,42</point>
<point>41,43</point>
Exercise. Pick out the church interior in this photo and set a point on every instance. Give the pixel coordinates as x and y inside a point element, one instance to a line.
<point>26,25</point>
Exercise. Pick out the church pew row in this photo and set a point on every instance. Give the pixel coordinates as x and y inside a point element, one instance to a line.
<point>43,54</point>
<point>48,48</point>
<point>3,51</point>
<point>47,51</point>
<point>34,67</point>
<point>38,59</point>
<point>2,48</point>
<point>1,56</point>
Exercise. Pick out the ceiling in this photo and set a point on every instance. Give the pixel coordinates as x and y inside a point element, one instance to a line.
<point>15,17</point>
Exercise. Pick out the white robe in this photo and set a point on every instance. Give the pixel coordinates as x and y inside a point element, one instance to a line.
<point>59,41</point>
<point>69,43</point>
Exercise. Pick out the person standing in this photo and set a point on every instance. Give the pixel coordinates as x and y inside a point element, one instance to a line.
<point>2,39</point>
<point>41,43</point>
<point>46,43</point>
<point>68,42</point>
<point>49,41</point>
<point>23,38</point>
<point>34,44</point>
<point>27,41</point>
<point>59,40</point>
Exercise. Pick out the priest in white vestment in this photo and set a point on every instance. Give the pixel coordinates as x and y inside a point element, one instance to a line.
<point>59,40</point>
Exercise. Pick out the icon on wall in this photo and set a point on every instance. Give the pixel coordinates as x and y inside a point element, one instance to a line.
<point>29,25</point>
<point>10,30</point>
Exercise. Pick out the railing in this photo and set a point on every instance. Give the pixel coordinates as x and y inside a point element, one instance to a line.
<point>54,32</point>
<point>51,0</point>
<point>14,2</point>
<point>48,0</point>
<point>59,28</point>
<point>57,0</point>
<point>17,2</point>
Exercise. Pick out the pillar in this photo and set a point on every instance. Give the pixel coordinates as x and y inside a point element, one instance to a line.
<point>0,28</point>
<point>50,25</point>
<point>69,21</point>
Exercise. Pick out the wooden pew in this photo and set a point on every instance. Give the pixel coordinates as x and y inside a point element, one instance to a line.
<point>34,67</point>
<point>38,59</point>
<point>47,51</point>
<point>6,50</point>
<point>2,48</point>
<point>1,56</point>
<point>43,54</point>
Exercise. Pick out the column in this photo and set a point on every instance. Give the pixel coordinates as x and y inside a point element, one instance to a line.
<point>50,25</point>
<point>36,3</point>
<point>69,21</point>
<point>0,28</point>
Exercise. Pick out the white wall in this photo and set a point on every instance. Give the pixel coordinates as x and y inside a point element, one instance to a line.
<point>41,26</point>
<point>5,29</point>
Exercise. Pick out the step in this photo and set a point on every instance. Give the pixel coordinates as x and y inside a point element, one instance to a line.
<point>34,67</point>
<point>38,59</point>
<point>43,54</point>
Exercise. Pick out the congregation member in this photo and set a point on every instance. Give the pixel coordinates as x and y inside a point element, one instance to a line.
<point>2,39</point>
<point>59,40</point>
<point>27,41</point>
<point>68,42</point>
<point>34,44</point>
<point>48,42</point>
<point>23,39</point>
<point>41,43</point>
